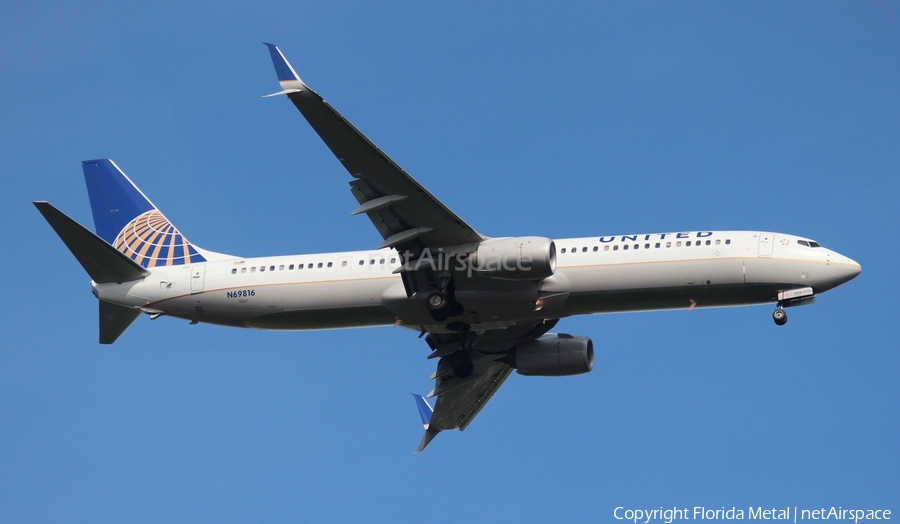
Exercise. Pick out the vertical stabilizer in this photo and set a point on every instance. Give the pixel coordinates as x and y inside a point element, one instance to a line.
<point>126,219</point>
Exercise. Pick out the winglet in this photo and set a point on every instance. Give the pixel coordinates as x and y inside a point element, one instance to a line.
<point>287,77</point>
<point>425,411</point>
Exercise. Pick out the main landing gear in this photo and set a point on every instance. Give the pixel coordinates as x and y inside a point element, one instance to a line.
<point>441,303</point>
<point>438,306</point>
<point>779,315</point>
<point>436,301</point>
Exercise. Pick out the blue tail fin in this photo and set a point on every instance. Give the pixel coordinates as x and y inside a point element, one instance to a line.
<point>128,221</point>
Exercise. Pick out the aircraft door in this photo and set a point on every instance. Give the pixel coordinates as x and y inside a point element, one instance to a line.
<point>198,273</point>
<point>766,241</point>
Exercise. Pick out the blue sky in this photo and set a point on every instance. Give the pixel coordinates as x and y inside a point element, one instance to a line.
<point>561,119</point>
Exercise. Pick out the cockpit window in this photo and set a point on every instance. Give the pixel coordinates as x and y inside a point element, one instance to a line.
<point>809,243</point>
<point>803,243</point>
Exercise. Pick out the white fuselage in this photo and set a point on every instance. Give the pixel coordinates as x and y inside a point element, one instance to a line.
<point>593,275</point>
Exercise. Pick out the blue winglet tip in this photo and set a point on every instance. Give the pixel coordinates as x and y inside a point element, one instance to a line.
<point>282,67</point>
<point>425,410</point>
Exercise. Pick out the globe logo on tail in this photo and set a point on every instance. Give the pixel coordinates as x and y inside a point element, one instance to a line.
<point>151,241</point>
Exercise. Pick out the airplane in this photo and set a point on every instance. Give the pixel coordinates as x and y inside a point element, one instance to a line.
<point>485,306</point>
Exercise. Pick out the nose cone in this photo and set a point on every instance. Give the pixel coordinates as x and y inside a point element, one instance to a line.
<point>845,269</point>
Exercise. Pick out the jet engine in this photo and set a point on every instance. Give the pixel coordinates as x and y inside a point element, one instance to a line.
<point>517,258</point>
<point>553,355</point>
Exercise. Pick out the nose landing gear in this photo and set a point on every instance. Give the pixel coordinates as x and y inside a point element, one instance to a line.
<point>779,315</point>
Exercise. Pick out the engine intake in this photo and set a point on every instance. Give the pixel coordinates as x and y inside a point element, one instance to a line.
<point>554,355</point>
<point>516,258</point>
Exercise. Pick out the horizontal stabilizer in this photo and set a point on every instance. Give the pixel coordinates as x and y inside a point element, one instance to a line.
<point>114,320</point>
<point>102,262</point>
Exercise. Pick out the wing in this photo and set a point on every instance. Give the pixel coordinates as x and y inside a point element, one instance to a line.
<point>405,213</point>
<point>459,400</point>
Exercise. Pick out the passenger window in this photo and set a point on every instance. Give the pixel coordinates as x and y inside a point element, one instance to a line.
<point>563,250</point>
<point>320,264</point>
<point>372,261</point>
<point>243,270</point>
<point>381,261</point>
<point>625,247</point>
<point>393,261</point>
<point>271,268</point>
<point>595,249</point>
<point>615,248</point>
<point>291,267</point>
<point>708,242</point>
<point>262,268</point>
<point>678,244</point>
<point>344,263</point>
<point>584,250</point>
<point>668,244</point>
<point>657,245</point>
<point>605,248</point>
<point>253,269</point>
<point>688,243</point>
<point>362,262</point>
<point>281,267</point>
<point>234,271</point>
<point>646,246</point>
<point>727,241</point>
<point>329,264</point>
<point>718,241</point>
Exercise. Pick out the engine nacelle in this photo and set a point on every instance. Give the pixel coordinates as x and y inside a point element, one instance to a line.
<point>517,258</point>
<point>554,355</point>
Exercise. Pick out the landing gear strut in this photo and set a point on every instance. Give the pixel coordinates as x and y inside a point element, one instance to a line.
<point>779,315</point>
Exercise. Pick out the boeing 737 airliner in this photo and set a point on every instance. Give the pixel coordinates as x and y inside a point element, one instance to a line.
<point>487,305</point>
